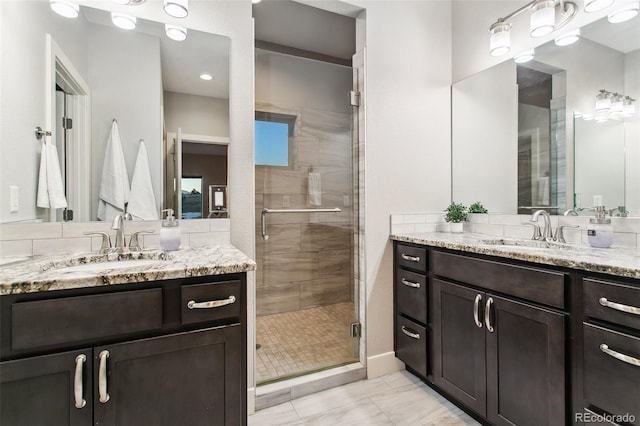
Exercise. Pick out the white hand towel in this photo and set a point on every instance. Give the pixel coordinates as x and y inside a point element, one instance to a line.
<point>50,186</point>
<point>114,186</point>
<point>142,201</point>
<point>543,191</point>
<point>315,189</point>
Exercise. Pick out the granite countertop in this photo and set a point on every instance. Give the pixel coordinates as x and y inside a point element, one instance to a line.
<point>44,273</point>
<point>621,262</point>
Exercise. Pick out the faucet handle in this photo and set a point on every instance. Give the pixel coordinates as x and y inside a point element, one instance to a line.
<point>559,236</point>
<point>134,244</point>
<point>105,247</point>
<point>537,234</point>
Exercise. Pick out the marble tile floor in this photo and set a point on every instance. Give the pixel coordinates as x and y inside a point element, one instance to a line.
<point>296,342</point>
<point>398,399</point>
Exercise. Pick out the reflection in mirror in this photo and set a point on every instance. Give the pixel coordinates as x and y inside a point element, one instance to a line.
<point>95,73</point>
<point>493,135</point>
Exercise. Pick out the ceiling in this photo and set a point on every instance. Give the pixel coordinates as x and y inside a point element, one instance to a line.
<point>300,26</point>
<point>183,61</point>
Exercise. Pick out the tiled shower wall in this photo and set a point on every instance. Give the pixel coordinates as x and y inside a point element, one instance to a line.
<point>626,230</point>
<point>307,260</point>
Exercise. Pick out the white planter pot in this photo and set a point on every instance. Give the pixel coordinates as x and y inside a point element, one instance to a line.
<point>456,226</point>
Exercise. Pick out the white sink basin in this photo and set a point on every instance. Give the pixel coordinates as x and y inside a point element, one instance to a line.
<point>109,266</point>
<point>525,244</point>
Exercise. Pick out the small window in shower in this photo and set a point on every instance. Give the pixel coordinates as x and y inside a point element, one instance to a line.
<point>191,197</point>
<point>273,136</point>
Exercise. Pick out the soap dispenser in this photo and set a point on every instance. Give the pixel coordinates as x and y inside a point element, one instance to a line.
<point>600,230</point>
<point>170,232</point>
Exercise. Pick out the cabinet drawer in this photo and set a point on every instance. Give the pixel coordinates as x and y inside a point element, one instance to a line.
<point>533,284</point>
<point>411,257</point>
<point>411,345</point>
<point>74,319</point>
<point>616,303</point>
<point>210,301</point>
<point>411,295</point>
<point>611,384</point>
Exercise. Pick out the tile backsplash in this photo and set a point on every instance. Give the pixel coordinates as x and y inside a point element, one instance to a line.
<point>26,239</point>
<point>626,230</point>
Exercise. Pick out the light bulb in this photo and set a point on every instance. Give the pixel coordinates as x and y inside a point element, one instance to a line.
<point>568,38</point>
<point>175,32</point>
<point>176,8</point>
<point>65,8</point>
<point>628,11</point>
<point>500,39</point>
<point>121,20</point>
<point>206,77</point>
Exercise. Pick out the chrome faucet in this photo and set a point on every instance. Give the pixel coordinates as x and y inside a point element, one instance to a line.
<point>118,225</point>
<point>546,233</point>
<point>570,212</point>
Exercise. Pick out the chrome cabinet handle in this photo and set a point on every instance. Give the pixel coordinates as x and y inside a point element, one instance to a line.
<point>77,381</point>
<point>102,377</point>
<point>410,258</point>
<point>487,315</point>
<point>617,355</point>
<point>192,304</point>
<point>619,306</point>
<point>411,333</point>
<point>476,310</point>
<point>410,283</point>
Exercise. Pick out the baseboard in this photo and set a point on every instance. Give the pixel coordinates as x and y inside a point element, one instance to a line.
<point>251,401</point>
<point>383,364</point>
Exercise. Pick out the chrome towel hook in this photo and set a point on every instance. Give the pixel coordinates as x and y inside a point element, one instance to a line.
<point>41,133</point>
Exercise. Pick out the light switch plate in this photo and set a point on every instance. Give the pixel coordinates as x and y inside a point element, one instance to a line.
<point>14,200</point>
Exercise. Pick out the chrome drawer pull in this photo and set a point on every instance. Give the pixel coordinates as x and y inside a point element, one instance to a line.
<point>411,333</point>
<point>476,310</point>
<point>77,381</point>
<point>622,357</point>
<point>487,315</point>
<point>619,306</point>
<point>411,258</point>
<point>192,304</point>
<point>410,283</point>
<point>102,377</point>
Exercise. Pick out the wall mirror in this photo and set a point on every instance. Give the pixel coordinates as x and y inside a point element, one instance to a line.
<point>74,77</point>
<point>520,140</point>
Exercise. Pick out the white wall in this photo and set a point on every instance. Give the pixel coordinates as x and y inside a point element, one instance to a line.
<point>199,115</point>
<point>23,25</point>
<point>407,168</point>
<point>133,99</point>
<point>485,128</point>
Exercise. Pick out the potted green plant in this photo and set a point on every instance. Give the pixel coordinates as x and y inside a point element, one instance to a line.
<point>456,214</point>
<point>477,207</point>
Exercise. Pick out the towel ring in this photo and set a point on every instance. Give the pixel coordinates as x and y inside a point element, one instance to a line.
<point>41,133</point>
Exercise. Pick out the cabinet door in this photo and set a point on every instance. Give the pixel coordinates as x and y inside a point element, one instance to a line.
<point>459,345</point>
<point>525,365</point>
<point>39,391</point>
<point>193,378</point>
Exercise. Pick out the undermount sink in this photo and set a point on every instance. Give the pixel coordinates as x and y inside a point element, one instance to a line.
<point>528,244</point>
<point>100,267</point>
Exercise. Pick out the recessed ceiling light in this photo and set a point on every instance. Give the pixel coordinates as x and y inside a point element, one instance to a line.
<point>121,20</point>
<point>206,77</point>
<point>65,8</point>
<point>175,32</point>
<point>568,38</point>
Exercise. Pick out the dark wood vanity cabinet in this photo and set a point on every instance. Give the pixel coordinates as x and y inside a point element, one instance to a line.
<point>189,368</point>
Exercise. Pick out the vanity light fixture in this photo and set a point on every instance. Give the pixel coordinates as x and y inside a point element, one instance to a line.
<point>524,57</point>
<point>177,8</point>
<point>206,77</point>
<point>124,21</point>
<point>65,8</point>
<point>596,5</point>
<point>603,101</point>
<point>568,38</point>
<point>628,11</point>
<point>616,104</point>
<point>175,32</point>
<point>546,16</point>
<point>628,107</point>
<point>500,39</point>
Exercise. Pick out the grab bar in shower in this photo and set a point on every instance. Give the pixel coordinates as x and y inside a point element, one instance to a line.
<point>263,220</point>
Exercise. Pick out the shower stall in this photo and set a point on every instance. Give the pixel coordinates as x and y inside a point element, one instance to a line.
<point>307,217</point>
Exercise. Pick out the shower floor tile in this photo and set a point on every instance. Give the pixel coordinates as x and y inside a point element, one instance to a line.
<point>299,342</point>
